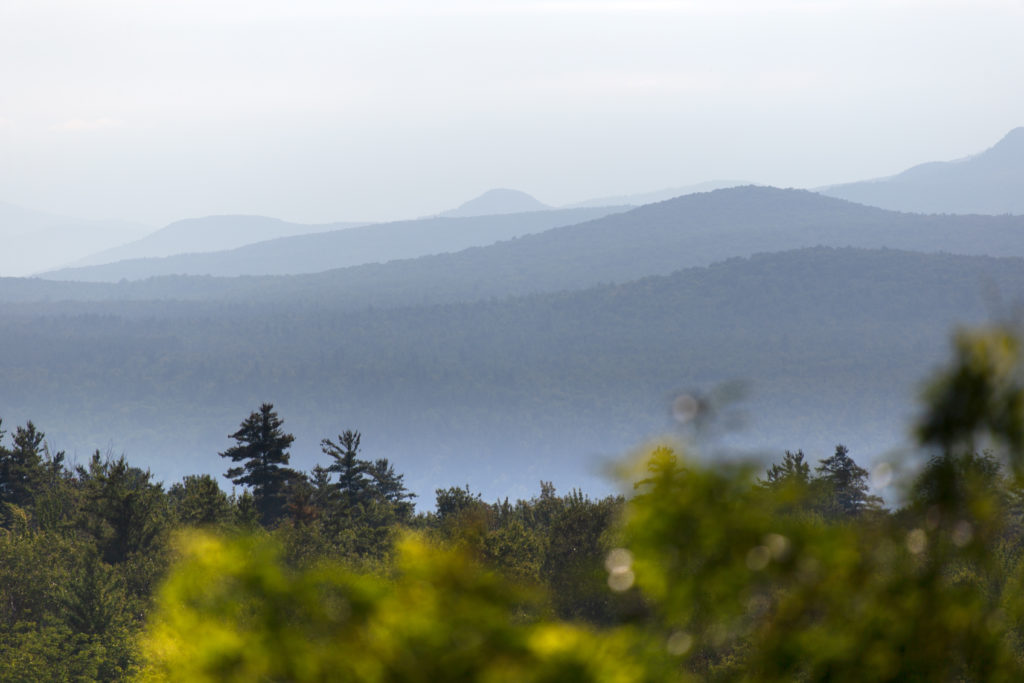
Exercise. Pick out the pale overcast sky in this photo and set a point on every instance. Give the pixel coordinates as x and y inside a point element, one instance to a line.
<point>321,110</point>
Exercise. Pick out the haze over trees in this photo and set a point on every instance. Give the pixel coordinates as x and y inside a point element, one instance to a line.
<point>508,390</point>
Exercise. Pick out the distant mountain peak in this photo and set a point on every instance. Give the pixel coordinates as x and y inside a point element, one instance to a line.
<point>499,200</point>
<point>1016,134</point>
<point>989,182</point>
<point>1012,142</point>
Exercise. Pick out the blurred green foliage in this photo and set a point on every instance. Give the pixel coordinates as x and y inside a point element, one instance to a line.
<point>439,615</point>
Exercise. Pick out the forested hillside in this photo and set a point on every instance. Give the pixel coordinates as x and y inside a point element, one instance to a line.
<point>831,344</point>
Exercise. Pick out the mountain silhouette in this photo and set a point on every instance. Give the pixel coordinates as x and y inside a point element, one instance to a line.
<point>207,234</point>
<point>991,182</point>
<point>319,251</point>
<point>655,239</point>
<point>497,201</point>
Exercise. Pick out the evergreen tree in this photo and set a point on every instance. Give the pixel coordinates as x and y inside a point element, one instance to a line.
<point>390,486</point>
<point>352,484</point>
<point>847,485</point>
<point>262,447</point>
<point>21,467</point>
<point>122,509</point>
<point>793,471</point>
<point>198,501</point>
<point>324,493</point>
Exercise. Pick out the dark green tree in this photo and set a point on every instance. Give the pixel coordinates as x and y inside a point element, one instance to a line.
<point>352,483</point>
<point>301,507</point>
<point>262,448</point>
<point>325,495</point>
<point>389,486</point>
<point>846,485</point>
<point>198,501</point>
<point>121,508</point>
<point>21,467</point>
<point>454,501</point>
<point>462,517</point>
<point>573,564</point>
<point>793,471</point>
<point>91,598</point>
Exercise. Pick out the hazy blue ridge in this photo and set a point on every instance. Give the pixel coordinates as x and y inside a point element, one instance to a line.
<point>991,182</point>
<point>206,234</point>
<point>501,201</point>
<point>659,238</point>
<point>310,253</point>
<point>33,241</point>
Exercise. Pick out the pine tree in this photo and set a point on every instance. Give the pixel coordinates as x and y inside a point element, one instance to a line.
<point>390,486</point>
<point>847,483</point>
<point>122,509</point>
<point>262,447</point>
<point>21,467</point>
<point>793,471</point>
<point>352,484</point>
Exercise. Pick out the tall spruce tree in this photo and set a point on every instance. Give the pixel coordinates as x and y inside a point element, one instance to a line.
<point>262,448</point>
<point>352,482</point>
<point>21,467</point>
<point>847,485</point>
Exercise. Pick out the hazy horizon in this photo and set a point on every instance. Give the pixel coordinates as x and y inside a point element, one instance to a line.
<point>323,111</point>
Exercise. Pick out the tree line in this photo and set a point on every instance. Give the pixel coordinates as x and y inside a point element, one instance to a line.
<point>725,571</point>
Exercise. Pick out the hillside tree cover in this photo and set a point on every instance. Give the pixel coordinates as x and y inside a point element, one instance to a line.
<point>701,571</point>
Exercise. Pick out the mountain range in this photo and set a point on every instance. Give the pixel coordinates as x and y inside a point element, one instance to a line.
<point>311,253</point>
<point>513,347</point>
<point>693,230</point>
